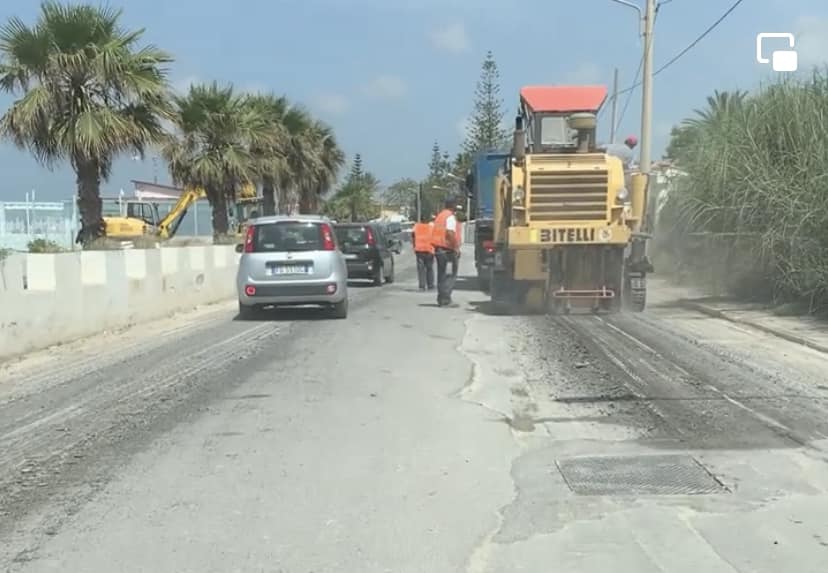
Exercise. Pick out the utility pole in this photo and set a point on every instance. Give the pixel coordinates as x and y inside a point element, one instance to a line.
<point>614,105</point>
<point>647,88</point>
<point>419,202</point>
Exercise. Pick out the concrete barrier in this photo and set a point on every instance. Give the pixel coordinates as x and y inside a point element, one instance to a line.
<point>47,299</point>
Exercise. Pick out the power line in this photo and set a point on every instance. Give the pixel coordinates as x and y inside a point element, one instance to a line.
<point>647,48</point>
<point>689,47</point>
<point>629,95</point>
<point>699,39</point>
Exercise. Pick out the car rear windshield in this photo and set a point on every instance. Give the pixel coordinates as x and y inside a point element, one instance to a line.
<point>287,236</point>
<point>355,235</point>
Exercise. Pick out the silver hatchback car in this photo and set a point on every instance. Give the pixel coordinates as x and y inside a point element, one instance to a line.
<point>291,261</point>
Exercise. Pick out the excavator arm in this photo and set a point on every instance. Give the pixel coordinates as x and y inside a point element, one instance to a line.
<point>168,226</point>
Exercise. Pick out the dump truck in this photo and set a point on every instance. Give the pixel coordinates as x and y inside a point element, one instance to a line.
<point>567,217</point>
<point>480,186</point>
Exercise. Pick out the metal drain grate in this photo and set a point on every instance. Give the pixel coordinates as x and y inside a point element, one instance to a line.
<point>638,475</point>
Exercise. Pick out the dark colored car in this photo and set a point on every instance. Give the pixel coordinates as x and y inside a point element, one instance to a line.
<point>394,232</point>
<point>367,249</point>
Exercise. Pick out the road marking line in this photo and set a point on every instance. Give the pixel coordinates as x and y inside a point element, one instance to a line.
<point>767,419</point>
<point>646,346</point>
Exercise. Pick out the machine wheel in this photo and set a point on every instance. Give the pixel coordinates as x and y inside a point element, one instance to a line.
<point>378,275</point>
<point>484,283</point>
<point>500,291</point>
<point>246,312</point>
<point>635,297</point>
<point>615,278</point>
<point>390,278</point>
<point>340,309</point>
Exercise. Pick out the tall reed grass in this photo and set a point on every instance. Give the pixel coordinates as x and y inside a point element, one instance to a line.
<point>752,210</point>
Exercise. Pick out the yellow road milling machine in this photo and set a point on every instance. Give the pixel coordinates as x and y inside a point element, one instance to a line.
<point>568,218</point>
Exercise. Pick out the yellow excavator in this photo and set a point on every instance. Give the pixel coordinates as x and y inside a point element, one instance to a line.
<point>136,218</point>
<point>568,217</point>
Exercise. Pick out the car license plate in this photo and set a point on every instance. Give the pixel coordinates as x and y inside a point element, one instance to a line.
<point>289,270</point>
<point>350,256</point>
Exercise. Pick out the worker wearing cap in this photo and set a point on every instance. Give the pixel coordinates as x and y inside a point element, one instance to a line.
<point>446,246</point>
<point>424,251</point>
<point>623,152</point>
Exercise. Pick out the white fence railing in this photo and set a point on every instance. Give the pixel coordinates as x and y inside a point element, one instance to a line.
<point>57,221</point>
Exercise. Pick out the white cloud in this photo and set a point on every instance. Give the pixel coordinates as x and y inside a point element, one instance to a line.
<point>586,73</point>
<point>811,34</point>
<point>451,38</point>
<point>385,87</point>
<point>332,103</point>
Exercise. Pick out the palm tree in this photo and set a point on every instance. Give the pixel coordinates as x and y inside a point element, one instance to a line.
<point>272,158</point>
<point>310,160</point>
<point>87,93</point>
<point>328,158</point>
<point>215,130</point>
<point>719,106</point>
<point>693,132</point>
<point>303,156</point>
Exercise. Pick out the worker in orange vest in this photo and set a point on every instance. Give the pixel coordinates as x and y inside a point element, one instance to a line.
<point>424,251</point>
<point>446,247</point>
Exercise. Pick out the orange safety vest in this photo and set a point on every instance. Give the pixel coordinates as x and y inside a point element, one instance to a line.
<point>422,238</point>
<point>439,232</point>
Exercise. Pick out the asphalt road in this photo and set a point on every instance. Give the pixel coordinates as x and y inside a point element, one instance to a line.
<point>410,438</point>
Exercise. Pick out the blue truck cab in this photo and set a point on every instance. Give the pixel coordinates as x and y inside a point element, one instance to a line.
<point>480,184</point>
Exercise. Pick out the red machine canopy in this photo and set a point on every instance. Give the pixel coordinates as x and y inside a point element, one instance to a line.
<point>563,99</point>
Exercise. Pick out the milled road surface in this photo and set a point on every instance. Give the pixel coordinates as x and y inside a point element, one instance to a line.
<point>415,439</point>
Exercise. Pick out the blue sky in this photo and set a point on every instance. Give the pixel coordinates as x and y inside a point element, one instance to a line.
<point>393,76</point>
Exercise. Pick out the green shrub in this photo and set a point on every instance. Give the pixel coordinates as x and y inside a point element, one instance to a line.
<point>44,246</point>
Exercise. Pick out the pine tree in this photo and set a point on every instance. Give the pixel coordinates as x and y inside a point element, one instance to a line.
<point>355,198</point>
<point>485,131</point>
<point>435,164</point>
<point>445,163</point>
<point>357,171</point>
<point>461,164</point>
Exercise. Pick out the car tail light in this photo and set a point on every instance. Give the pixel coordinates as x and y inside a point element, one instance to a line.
<point>489,246</point>
<point>248,239</point>
<point>250,290</point>
<point>328,243</point>
<point>369,234</point>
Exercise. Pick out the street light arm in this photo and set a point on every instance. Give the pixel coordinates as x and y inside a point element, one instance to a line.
<point>631,5</point>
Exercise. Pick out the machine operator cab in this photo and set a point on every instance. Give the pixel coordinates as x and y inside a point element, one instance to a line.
<point>553,124</point>
<point>558,119</point>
